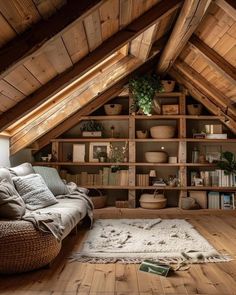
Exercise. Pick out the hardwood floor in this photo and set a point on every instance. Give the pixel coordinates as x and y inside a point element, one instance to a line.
<point>72,278</point>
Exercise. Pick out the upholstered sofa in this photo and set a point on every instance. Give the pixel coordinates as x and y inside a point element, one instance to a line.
<point>23,247</point>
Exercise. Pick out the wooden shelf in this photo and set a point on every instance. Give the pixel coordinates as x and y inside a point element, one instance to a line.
<point>161,117</point>
<point>158,140</point>
<point>228,140</point>
<point>191,117</point>
<point>89,139</point>
<point>82,164</point>
<point>168,94</point>
<point>132,187</point>
<point>106,117</point>
<point>212,188</point>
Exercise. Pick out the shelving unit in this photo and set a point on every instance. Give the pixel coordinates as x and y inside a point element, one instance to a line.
<point>178,146</point>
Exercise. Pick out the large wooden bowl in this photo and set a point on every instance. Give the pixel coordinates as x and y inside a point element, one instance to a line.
<point>162,131</point>
<point>156,157</point>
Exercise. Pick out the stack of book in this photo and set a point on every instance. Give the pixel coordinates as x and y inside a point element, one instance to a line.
<point>212,178</point>
<point>142,179</point>
<point>217,200</point>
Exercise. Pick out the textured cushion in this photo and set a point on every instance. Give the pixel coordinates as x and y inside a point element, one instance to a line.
<point>11,204</point>
<point>5,174</point>
<point>22,170</point>
<point>34,191</point>
<point>71,210</point>
<point>52,180</point>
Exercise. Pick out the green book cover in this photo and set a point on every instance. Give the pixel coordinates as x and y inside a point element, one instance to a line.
<point>155,268</point>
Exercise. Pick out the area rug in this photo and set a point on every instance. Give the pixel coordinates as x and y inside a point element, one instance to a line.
<point>133,240</point>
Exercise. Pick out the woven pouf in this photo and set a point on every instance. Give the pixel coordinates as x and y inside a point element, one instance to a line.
<point>24,248</point>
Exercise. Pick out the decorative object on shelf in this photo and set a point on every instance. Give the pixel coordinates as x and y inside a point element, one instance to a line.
<point>213,129</point>
<point>141,134</point>
<point>213,153</point>
<point>97,147</point>
<point>78,152</point>
<point>162,131</point>
<point>113,109</point>
<point>143,89</point>
<point>172,181</point>
<point>44,159</point>
<point>216,136</point>
<point>91,129</point>
<point>102,157</point>
<point>118,154</point>
<point>168,85</point>
<point>69,157</point>
<point>172,160</point>
<point>98,198</point>
<point>152,176</point>
<point>153,201</point>
<point>199,135</point>
<point>188,203</point>
<point>112,131</point>
<point>228,165</point>
<point>195,155</point>
<point>170,109</point>
<point>156,157</point>
<point>194,109</point>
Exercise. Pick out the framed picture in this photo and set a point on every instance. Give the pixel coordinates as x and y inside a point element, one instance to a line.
<point>97,147</point>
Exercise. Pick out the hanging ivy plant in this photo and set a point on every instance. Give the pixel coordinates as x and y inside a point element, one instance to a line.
<point>143,89</point>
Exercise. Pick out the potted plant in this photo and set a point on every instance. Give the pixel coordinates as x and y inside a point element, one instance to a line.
<point>228,164</point>
<point>143,89</point>
<point>91,129</point>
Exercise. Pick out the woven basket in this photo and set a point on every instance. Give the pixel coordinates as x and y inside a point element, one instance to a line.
<point>194,109</point>
<point>23,248</point>
<point>99,201</point>
<point>156,157</point>
<point>113,109</point>
<point>168,85</point>
<point>162,131</point>
<point>153,201</point>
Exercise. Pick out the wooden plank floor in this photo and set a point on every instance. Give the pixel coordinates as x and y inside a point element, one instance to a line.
<point>73,278</point>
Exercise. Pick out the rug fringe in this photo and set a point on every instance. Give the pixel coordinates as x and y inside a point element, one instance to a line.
<point>79,257</point>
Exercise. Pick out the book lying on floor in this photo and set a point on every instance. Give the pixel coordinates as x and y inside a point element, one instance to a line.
<point>155,268</point>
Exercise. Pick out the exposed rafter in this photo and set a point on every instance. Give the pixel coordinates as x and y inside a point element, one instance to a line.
<point>214,59</point>
<point>229,6</point>
<point>200,95</point>
<point>213,93</point>
<point>190,16</point>
<point>40,33</point>
<point>159,11</point>
<point>99,100</point>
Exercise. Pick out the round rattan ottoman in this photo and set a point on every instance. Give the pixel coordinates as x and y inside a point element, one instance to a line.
<point>23,248</point>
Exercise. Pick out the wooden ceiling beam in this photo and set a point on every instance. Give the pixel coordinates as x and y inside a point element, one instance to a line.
<point>102,98</point>
<point>229,6</point>
<point>217,97</point>
<point>30,41</point>
<point>189,18</point>
<point>114,43</point>
<point>201,96</point>
<point>214,59</point>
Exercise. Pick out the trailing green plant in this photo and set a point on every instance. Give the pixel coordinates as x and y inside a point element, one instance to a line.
<point>91,126</point>
<point>143,89</point>
<point>227,163</point>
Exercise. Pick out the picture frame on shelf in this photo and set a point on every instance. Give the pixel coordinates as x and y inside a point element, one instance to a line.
<point>97,147</point>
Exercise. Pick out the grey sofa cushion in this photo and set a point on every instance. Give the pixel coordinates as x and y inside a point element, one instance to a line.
<point>11,204</point>
<point>34,191</point>
<point>52,180</point>
<point>22,170</point>
<point>5,174</point>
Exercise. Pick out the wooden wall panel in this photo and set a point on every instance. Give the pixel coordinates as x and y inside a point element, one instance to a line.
<point>125,12</point>
<point>41,67</point>
<point>92,25</point>
<point>57,54</point>
<point>75,41</point>
<point>20,14</point>
<point>109,16</point>
<point>141,6</point>
<point>6,102</point>
<point>23,80</point>
<point>6,32</point>
<point>11,92</point>
<point>47,7</point>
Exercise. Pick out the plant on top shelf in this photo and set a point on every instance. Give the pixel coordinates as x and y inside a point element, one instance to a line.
<point>228,163</point>
<point>143,89</point>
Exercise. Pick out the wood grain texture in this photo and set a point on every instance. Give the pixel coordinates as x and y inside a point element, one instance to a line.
<point>92,25</point>
<point>67,278</point>
<point>109,16</point>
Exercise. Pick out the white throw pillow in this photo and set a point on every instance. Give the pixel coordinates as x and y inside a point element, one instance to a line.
<point>34,191</point>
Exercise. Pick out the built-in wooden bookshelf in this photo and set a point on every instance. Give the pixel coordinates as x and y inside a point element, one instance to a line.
<point>181,144</point>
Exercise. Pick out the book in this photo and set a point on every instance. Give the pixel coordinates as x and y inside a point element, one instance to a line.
<point>78,152</point>
<point>155,268</point>
<point>227,201</point>
<point>213,200</point>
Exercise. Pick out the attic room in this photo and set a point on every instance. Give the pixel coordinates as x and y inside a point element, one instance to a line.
<point>117,147</point>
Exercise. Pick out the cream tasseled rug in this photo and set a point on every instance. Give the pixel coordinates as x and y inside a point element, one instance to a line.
<point>133,240</point>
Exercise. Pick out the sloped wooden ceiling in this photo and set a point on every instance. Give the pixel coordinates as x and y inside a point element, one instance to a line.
<point>70,71</point>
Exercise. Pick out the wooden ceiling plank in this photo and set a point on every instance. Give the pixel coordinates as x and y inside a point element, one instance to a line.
<point>229,6</point>
<point>108,47</point>
<point>94,104</point>
<point>109,15</point>
<point>44,30</point>
<point>22,80</point>
<point>200,95</point>
<point>47,7</point>
<point>20,14</point>
<point>214,59</point>
<point>217,97</point>
<point>125,12</point>
<point>190,16</point>
<point>92,26</point>
<point>76,42</point>
<point>7,32</point>
<point>11,92</point>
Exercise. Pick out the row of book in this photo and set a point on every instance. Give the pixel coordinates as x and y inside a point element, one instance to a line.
<point>212,178</point>
<point>218,200</point>
<point>104,177</point>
